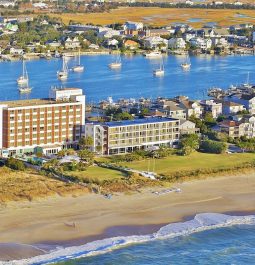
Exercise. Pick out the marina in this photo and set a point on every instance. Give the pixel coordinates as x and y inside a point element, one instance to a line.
<point>135,78</point>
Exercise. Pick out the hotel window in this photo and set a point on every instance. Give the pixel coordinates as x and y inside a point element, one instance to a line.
<point>34,142</point>
<point>34,129</point>
<point>27,143</point>
<point>12,112</point>
<point>19,111</point>
<point>26,130</point>
<point>11,131</point>
<point>41,128</point>
<point>11,118</point>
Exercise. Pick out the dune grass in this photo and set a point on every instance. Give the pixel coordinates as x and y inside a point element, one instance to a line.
<point>195,161</point>
<point>156,16</point>
<point>28,185</point>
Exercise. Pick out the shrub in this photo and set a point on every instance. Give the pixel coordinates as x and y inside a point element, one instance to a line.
<point>214,147</point>
<point>15,164</point>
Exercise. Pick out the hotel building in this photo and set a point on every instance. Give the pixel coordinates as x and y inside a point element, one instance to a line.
<point>126,136</point>
<point>42,125</point>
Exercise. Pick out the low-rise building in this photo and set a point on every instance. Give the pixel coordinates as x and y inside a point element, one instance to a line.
<point>212,106</point>
<point>126,136</point>
<point>247,100</point>
<point>42,124</point>
<point>72,43</point>
<point>229,107</point>
<point>188,127</point>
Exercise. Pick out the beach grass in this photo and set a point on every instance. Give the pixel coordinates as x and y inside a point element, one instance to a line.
<point>156,16</point>
<point>195,161</point>
<point>28,185</point>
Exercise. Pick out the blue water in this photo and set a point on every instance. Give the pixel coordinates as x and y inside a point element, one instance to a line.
<point>135,79</point>
<point>231,245</point>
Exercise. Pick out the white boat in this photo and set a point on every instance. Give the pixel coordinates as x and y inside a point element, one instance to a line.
<point>23,79</point>
<point>160,71</point>
<point>117,64</point>
<point>153,54</point>
<point>26,89</point>
<point>78,68</point>
<point>63,74</point>
<point>186,65</point>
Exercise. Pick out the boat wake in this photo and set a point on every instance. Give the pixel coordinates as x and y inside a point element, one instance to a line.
<point>200,222</point>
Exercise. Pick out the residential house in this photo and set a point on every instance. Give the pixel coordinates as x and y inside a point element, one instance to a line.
<point>188,127</point>
<point>215,108</point>
<point>229,107</point>
<point>72,43</point>
<point>247,100</point>
<point>176,43</point>
<point>155,42</point>
<point>130,44</point>
<point>191,107</point>
<point>200,43</point>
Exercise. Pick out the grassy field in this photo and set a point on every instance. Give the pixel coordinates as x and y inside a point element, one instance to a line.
<point>98,173</point>
<point>28,185</point>
<point>162,16</point>
<point>194,161</point>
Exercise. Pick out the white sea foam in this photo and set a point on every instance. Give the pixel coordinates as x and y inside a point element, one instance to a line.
<point>200,222</point>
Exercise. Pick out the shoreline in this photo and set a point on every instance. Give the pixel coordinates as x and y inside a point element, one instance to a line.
<point>123,215</point>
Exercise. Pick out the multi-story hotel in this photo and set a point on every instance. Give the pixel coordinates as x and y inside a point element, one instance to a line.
<point>42,125</point>
<point>126,136</point>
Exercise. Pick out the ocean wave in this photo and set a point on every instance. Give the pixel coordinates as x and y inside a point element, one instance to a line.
<point>201,222</point>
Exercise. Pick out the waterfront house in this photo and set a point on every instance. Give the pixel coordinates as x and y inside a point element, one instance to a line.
<point>127,136</point>
<point>201,43</point>
<point>133,26</point>
<point>155,42</point>
<point>72,43</point>
<point>130,44</point>
<point>176,43</point>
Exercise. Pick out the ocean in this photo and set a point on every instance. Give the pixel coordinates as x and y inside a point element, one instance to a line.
<point>134,80</point>
<point>209,238</point>
<point>231,245</point>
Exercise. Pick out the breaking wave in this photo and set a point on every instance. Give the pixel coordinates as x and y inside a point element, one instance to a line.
<point>201,222</point>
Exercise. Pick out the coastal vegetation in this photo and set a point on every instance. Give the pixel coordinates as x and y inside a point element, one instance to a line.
<point>16,185</point>
<point>157,17</point>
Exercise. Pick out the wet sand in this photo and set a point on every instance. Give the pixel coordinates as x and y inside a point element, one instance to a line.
<point>75,221</point>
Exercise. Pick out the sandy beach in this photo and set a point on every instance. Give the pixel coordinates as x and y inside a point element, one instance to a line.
<point>76,220</point>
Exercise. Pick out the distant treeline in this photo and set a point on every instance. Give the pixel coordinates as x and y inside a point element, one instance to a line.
<point>184,5</point>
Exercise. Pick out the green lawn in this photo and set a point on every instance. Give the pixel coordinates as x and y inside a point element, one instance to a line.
<point>99,173</point>
<point>175,163</point>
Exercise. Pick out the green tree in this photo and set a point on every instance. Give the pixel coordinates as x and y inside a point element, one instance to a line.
<point>214,147</point>
<point>86,156</point>
<point>85,142</point>
<point>189,143</point>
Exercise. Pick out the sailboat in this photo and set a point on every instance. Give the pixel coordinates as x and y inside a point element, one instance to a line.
<point>23,79</point>
<point>160,71</point>
<point>117,64</point>
<point>78,68</point>
<point>63,74</point>
<point>186,65</point>
<point>247,84</point>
